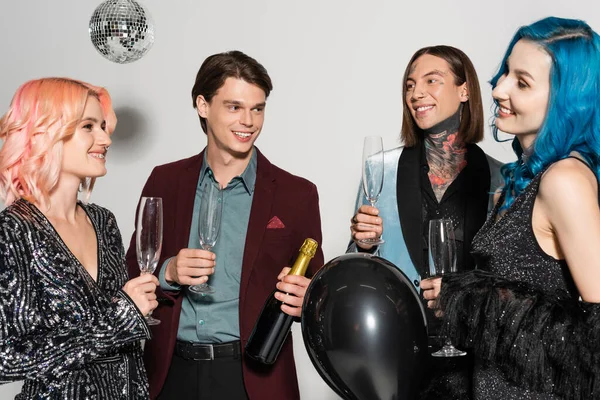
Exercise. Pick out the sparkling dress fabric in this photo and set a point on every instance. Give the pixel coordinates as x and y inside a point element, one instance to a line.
<point>507,248</point>
<point>66,335</point>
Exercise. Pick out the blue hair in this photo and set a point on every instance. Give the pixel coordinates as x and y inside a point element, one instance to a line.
<point>572,120</point>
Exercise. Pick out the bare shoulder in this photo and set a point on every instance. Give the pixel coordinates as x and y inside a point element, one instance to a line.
<point>568,180</point>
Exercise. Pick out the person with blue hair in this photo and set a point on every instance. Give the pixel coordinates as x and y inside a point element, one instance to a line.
<point>530,312</point>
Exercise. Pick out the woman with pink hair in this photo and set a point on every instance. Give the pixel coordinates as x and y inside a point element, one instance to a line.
<point>71,324</point>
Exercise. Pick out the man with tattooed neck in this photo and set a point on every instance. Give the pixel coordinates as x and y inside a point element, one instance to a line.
<point>439,172</point>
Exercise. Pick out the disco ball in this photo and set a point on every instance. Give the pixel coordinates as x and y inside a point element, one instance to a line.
<point>122,30</point>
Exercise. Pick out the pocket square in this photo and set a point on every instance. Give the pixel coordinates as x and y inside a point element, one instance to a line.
<point>275,223</point>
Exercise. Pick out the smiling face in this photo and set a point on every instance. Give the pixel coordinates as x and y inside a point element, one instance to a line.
<point>522,93</point>
<point>84,152</point>
<point>234,117</point>
<point>431,92</point>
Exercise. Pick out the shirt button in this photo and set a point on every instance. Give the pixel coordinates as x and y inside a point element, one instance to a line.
<point>416,282</point>
<point>201,322</point>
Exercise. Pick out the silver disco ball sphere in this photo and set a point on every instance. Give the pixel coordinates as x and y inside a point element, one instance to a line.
<point>122,30</point>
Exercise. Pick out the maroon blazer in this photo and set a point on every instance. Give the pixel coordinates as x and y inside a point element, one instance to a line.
<point>295,202</point>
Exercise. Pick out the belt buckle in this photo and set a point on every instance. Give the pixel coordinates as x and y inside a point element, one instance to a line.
<point>212,352</point>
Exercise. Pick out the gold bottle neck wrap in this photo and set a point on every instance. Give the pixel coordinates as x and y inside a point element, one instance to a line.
<point>307,252</point>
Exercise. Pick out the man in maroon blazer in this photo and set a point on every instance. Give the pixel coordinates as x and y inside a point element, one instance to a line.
<point>197,350</point>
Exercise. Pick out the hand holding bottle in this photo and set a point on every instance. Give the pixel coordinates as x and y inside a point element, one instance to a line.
<point>292,289</point>
<point>366,224</point>
<point>275,319</point>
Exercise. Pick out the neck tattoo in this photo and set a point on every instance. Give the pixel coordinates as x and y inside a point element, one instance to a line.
<point>445,156</point>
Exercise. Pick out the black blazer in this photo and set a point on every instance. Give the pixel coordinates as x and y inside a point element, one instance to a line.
<point>409,196</point>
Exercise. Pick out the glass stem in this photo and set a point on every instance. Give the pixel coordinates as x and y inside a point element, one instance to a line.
<point>146,273</point>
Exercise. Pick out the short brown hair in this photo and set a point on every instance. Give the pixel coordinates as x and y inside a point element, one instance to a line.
<point>231,64</point>
<point>471,119</point>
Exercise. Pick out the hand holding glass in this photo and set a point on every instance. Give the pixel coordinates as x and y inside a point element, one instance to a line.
<point>209,223</point>
<point>442,260</point>
<point>372,176</point>
<point>148,238</point>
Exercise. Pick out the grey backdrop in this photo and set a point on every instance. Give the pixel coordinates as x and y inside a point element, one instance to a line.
<point>336,66</point>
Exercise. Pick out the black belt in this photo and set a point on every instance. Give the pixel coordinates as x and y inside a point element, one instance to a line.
<point>202,351</point>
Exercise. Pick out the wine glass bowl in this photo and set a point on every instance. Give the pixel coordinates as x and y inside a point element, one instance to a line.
<point>372,176</point>
<point>209,223</point>
<point>148,243</point>
<point>442,248</point>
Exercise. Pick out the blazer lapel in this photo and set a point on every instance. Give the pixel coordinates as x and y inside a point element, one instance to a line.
<point>186,193</point>
<point>260,213</point>
<point>408,195</point>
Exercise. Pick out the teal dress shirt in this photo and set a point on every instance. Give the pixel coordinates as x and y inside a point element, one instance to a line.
<point>215,318</point>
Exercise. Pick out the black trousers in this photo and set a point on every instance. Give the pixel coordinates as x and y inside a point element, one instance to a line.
<point>216,379</point>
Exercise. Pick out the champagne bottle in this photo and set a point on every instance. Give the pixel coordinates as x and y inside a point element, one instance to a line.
<point>273,325</point>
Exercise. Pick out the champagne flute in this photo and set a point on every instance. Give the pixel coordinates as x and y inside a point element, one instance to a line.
<point>148,235</point>
<point>442,260</point>
<point>209,222</point>
<point>372,176</point>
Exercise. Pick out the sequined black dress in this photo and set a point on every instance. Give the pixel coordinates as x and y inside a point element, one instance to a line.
<point>66,335</point>
<point>520,314</point>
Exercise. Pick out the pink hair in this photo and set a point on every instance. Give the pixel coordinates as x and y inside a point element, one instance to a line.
<point>43,113</point>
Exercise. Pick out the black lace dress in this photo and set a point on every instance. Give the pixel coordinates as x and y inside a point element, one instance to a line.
<point>520,314</point>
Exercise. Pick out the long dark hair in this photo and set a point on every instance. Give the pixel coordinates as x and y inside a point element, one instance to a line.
<point>471,119</point>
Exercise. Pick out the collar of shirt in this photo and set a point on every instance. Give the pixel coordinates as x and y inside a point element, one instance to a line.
<point>248,177</point>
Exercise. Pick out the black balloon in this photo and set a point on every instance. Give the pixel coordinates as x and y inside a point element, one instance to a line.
<point>364,328</point>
